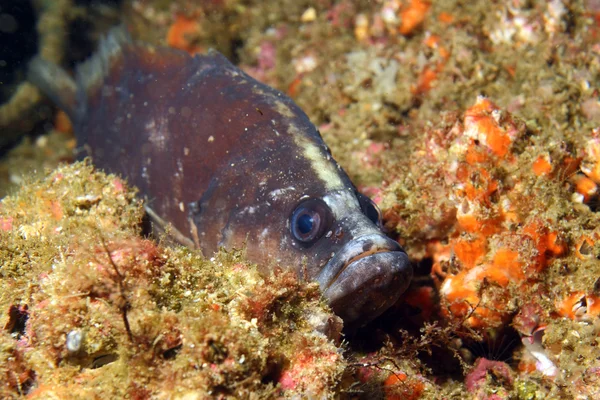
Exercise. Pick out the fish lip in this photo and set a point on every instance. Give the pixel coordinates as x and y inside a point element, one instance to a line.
<point>353,251</point>
<point>360,282</point>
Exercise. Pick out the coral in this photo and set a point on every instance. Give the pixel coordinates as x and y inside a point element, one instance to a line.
<point>511,247</point>
<point>497,243</point>
<point>88,306</point>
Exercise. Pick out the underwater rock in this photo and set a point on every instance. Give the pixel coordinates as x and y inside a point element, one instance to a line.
<point>98,309</point>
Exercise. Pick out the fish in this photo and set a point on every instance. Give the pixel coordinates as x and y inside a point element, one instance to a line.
<point>225,161</point>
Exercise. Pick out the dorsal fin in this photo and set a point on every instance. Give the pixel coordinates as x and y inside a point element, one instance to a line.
<point>93,71</point>
<point>70,94</point>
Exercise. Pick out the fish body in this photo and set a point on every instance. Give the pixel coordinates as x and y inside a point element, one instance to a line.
<point>226,161</point>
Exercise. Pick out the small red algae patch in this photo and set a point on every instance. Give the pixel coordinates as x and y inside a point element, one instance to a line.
<point>584,247</point>
<point>413,15</point>
<point>398,386</point>
<point>484,370</point>
<point>62,123</point>
<point>6,223</point>
<point>482,122</point>
<point>542,166</point>
<point>429,73</point>
<point>182,34</point>
<point>470,251</point>
<point>586,182</point>
<point>579,306</point>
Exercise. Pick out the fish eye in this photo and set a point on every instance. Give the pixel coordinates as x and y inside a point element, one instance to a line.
<point>369,208</point>
<point>310,220</point>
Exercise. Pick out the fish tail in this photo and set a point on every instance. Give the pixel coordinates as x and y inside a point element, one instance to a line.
<point>55,83</point>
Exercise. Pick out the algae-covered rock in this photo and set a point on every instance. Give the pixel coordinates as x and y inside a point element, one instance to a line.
<point>89,307</point>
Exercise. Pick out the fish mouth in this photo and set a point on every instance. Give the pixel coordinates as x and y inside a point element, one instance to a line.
<point>365,278</point>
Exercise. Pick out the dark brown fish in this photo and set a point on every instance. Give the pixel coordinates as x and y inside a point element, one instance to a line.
<point>228,161</point>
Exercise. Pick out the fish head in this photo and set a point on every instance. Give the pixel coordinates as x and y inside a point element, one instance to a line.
<point>360,270</point>
<point>283,198</point>
<point>329,233</point>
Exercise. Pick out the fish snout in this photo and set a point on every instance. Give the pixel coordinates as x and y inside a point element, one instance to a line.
<point>365,278</point>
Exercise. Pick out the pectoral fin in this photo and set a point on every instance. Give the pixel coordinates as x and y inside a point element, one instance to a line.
<point>162,227</point>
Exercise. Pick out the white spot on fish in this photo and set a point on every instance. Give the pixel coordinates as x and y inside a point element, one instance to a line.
<point>145,174</point>
<point>263,235</point>
<point>159,133</point>
<point>249,210</point>
<point>344,206</point>
<point>279,193</point>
